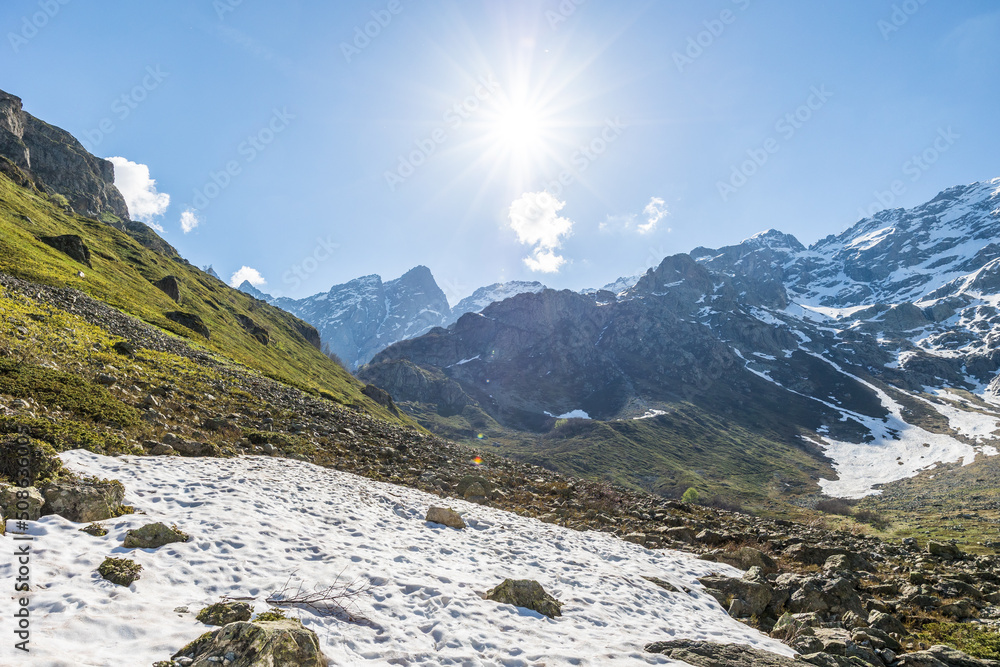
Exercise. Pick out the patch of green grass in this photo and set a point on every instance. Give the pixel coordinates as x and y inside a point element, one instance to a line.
<point>123,274</point>
<point>69,392</point>
<point>972,638</point>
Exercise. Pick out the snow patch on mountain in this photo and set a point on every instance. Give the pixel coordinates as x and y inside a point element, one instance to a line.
<point>255,522</point>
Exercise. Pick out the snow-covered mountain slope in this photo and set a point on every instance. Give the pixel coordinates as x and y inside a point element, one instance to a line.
<point>880,329</point>
<point>259,523</point>
<point>484,296</point>
<point>359,318</point>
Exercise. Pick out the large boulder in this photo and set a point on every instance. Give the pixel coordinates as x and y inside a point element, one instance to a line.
<point>526,593</point>
<point>741,597</point>
<point>153,536</point>
<point>256,644</point>
<point>708,654</point>
<point>445,517</point>
<point>944,550</point>
<point>84,500</point>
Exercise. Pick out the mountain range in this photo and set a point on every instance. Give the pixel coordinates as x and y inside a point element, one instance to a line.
<point>864,358</point>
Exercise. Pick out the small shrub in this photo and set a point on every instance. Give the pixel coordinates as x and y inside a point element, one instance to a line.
<point>837,506</point>
<point>121,571</point>
<point>690,496</point>
<point>59,200</point>
<point>871,518</point>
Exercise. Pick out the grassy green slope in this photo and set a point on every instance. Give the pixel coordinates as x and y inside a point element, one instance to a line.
<point>122,275</point>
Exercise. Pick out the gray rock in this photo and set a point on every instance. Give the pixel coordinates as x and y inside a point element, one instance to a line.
<point>84,500</point>
<point>753,597</point>
<point>525,593</point>
<point>942,656</point>
<point>70,245</point>
<point>170,286</point>
<point>153,536</point>
<point>445,516</point>
<point>944,550</point>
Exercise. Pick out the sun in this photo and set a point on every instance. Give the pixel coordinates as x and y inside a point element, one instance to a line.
<point>518,127</point>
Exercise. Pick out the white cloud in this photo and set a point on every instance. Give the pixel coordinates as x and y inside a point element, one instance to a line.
<point>248,274</point>
<point>139,190</point>
<point>534,217</point>
<point>655,211</point>
<point>189,220</point>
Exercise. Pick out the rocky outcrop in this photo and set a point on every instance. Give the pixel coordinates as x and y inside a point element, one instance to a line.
<point>190,321</point>
<point>708,654</point>
<point>255,644</point>
<point>170,286</point>
<point>57,162</point>
<point>256,331</point>
<point>70,245</point>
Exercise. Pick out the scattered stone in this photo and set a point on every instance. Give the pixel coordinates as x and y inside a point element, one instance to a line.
<point>161,449</point>
<point>740,597</point>
<point>85,500</point>
<point>254,644</point>
<point>445,516</point>
<point>525,593</point>
<point>153,536</point>
<point>121,571</point>
<point>124,348</point>
<point>224,613</point>
<point>106,380</point>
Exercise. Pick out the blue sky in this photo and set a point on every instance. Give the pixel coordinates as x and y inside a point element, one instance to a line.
<point>320,141</point>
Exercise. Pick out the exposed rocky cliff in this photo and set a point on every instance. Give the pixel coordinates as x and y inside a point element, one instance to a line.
<point>56,162</point>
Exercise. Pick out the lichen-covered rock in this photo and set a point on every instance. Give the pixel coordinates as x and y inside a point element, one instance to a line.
<point>224,613</point>
<point>707,654</point>
<point>526,593</point>
<point>153,536</point>
<point>121,571</point>
<point>95,529</point>
<point>84,500</point>
<point>256,644</point>
<point>445,516</point>
<point>23,503</point>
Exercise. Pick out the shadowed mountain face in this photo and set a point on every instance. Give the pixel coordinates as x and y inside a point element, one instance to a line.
<point>829,347</point>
